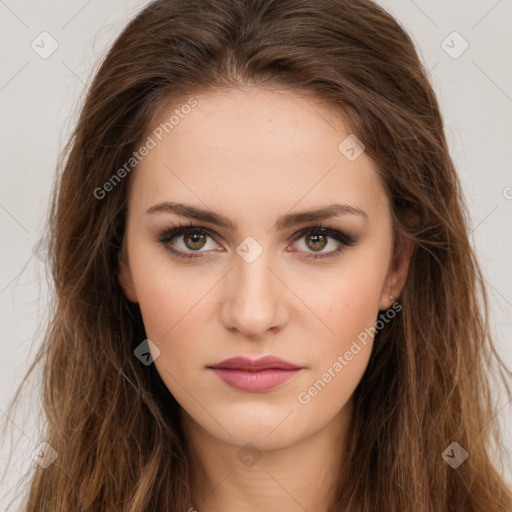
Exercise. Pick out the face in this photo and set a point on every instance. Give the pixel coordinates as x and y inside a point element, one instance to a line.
<point>252,273</point>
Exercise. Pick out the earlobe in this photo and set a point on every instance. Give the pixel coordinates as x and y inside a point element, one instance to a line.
<point>124,277</point>
<point>397,276</point>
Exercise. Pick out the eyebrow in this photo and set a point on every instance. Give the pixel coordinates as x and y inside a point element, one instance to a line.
<point>291,219</point>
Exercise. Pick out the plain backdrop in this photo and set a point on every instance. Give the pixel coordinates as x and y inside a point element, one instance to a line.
<point>466,45</point>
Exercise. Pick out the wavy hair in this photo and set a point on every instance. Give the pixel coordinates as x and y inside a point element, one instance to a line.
<point>113,422</point>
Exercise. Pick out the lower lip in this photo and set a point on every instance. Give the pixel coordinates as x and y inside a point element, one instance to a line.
<point>261,380</point>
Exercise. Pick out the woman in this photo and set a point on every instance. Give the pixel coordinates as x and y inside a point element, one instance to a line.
<point>266,298</point>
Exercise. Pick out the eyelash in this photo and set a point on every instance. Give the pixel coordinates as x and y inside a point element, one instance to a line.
<point>172,232</point>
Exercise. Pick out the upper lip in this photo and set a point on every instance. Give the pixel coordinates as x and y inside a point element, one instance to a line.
<point>262,363</point>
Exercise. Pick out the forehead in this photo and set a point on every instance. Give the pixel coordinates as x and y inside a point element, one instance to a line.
<point>253,145</point>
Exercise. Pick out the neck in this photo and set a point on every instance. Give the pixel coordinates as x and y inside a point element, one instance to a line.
<point>301,476</point>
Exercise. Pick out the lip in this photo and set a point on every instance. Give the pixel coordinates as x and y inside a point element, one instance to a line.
<point>255,375</point>
<point>261,363</point>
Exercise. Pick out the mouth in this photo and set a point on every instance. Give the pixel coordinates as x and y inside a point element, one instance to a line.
<point>255,375</point>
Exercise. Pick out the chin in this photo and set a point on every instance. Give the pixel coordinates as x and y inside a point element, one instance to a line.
<point>247,436</point>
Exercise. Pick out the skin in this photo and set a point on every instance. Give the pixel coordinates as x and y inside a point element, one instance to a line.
<point>254,155</point>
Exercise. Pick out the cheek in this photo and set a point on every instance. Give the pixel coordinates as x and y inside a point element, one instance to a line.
<point>349,303</point>
<point>175,307</point>
<point>169,309</point>
<point>174,320</point>
<point>350,309</point>
<point>340,359</point>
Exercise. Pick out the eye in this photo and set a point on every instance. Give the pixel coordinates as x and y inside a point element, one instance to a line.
<point>318,237</point>
<point>194,238</point>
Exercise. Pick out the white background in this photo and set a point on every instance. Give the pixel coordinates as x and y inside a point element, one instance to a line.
<point>39,100</point>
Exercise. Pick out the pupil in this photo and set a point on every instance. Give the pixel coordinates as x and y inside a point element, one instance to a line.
<point>198,238</point>
<point>316,237</point>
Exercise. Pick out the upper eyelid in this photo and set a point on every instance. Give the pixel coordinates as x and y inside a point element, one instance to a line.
<point>295,236</point>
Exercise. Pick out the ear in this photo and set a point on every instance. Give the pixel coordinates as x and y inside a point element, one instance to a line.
<point>124,276</point>
<point>397,275</point>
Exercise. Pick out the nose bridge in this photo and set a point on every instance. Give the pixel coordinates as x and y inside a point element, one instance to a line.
<point>253,303</point>
<point>252,275</point>
<point>254,279</point>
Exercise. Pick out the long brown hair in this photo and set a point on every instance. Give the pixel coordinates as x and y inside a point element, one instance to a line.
<point>112,421</point>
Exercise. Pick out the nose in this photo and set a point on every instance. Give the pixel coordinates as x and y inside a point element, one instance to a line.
<point>255,299</point>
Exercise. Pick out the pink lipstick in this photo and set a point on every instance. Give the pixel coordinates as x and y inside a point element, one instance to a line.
<point>254,375</point>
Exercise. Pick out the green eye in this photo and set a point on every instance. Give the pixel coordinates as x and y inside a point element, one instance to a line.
<point>195,239</point>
